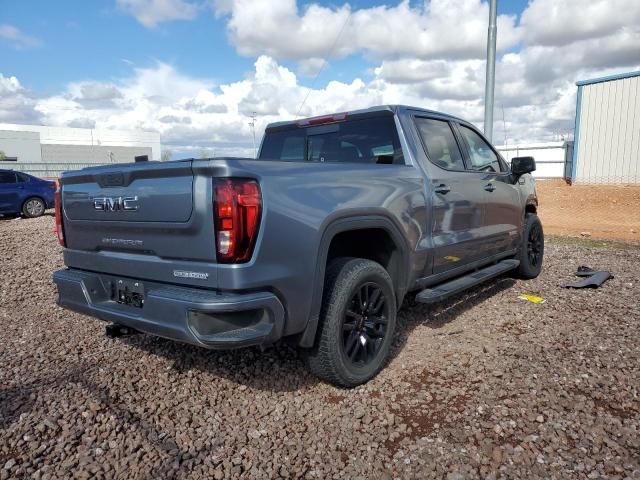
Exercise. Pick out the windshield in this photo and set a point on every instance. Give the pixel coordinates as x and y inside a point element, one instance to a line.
<point>367,140</point>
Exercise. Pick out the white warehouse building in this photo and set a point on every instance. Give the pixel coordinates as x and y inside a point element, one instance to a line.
<point>48,151</point>
<point>607,130</point>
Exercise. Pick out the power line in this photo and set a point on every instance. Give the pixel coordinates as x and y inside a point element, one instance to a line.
<point>324,62</point>
<point>252,124</point>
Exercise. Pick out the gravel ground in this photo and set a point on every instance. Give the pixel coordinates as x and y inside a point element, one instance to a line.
<point>484,385</point>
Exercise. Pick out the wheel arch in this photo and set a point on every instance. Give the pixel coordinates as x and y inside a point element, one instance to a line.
<point>531,207</point>
<point>353,227</point>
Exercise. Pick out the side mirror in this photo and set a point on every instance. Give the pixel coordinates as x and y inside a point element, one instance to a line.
<point>522,165</point>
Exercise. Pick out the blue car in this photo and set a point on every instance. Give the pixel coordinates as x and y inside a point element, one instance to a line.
<point>22,194</point>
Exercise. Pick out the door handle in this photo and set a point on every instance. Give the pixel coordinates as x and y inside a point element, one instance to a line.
<point>489,187</point>
<point>442,188</point>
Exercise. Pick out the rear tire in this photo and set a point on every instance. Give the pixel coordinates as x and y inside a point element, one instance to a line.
<point>357,323</point>
<point>531,251</point>
<point>33,207</point>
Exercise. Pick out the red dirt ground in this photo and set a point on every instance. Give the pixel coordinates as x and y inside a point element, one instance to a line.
<point>598,211</point>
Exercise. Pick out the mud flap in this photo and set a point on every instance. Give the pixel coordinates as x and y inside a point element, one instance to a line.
<point>593,279</point>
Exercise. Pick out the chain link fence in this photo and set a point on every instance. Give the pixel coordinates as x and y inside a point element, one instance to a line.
<point>46,169</point>
<point>593,210</point>
<point>597,197</point>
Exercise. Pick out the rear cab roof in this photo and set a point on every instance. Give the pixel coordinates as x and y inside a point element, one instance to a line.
<point>362,113</point>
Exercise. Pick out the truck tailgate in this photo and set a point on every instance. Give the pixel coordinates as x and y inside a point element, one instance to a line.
<point>146,209</point>
<point>158,195</point>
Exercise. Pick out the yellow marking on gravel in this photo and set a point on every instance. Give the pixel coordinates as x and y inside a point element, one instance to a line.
<point>531,298</point>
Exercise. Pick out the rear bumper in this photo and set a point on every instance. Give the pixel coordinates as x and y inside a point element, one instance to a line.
<point>200,317</point>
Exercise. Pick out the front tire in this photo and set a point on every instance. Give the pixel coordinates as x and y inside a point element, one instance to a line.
<point>33,207</point>
<point>357,323</point>
<point>532,248</point>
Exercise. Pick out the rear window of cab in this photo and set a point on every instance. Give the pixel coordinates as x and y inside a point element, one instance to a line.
<point>367,140</point>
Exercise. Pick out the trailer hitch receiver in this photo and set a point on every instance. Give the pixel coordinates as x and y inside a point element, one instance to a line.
<point>116,330</point>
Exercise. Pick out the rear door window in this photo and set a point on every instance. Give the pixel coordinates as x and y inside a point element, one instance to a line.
<point>440,143</point>
<point>481,155</point>
<point>7,177</point>
<point>367,140</point>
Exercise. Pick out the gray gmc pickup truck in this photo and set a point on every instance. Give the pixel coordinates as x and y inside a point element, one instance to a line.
<point>317,241</point>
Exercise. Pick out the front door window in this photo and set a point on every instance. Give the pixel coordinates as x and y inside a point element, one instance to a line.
<point>481,155</point>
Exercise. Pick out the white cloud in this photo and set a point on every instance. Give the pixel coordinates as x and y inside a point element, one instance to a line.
<point>17,37</point>
<point>437,79</point>
<point>152,12</point>
<point>175,119</point>
<point>194,115</point>
<point>546,63</point>
<point>95,94</point>
<point>99,91</point>
<point>435,29</point>
<point>9,86</point>
<point>15,103</point>
<point>163,84</point>
<point>205,102</point>
<point>310,67</point>
<point>428,56</point>
<point>553,23</point>
<point>82,122</point>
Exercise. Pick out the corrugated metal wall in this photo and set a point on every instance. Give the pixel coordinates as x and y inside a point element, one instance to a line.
<point>608,132</point>
<point>58,158</point>
<point>91,153</point>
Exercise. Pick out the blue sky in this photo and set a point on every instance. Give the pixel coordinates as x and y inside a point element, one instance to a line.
<point>96,40</point>
<point>196,70</point>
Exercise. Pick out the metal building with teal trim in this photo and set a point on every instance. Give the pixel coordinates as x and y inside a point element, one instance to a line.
<point>607,130</point>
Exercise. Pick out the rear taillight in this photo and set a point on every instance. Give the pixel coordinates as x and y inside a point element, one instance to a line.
<point>59,227</point>
<point>237,207</point>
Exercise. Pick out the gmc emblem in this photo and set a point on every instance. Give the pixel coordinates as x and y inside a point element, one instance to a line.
<point>112,204</point>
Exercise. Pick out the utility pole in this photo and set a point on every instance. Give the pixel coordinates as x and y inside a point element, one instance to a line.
<point>252,124</point>
<point>490,81</point>
<point>504,126</point>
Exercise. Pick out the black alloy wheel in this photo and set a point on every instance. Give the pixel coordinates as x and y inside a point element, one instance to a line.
<point>531,251</point>
<point>365,324</point>
<point>534,245</point>
<point>357,322</point>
